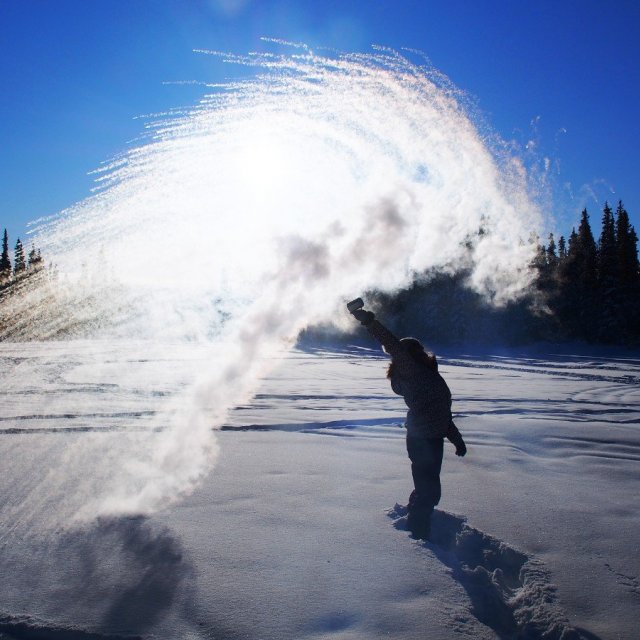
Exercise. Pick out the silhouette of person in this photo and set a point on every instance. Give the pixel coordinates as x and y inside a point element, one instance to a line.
<point>413,374</point>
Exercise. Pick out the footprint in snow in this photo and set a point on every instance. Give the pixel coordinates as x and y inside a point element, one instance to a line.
<point>510,592</point>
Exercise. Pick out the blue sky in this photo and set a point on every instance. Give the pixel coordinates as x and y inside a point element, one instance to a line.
<point>77,74</point>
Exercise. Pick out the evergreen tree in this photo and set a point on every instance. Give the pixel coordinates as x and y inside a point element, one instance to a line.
<point>35,260</point>
<point>607,254</point>
<point>608,308</point>
<point>540,325</point>
<point>562,249</point>
<point>568,271</point>
<point>628,276</point>
<point>5,262</point>
<point>540,259</point>
<point>543,264</point>
<point>587,253</point>
<point>627,249</point>
<point>573,241</point>
<point>552,256</point>
<point>19,261</point>
<point>578,282</point>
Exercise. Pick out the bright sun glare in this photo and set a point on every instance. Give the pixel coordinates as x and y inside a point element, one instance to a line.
<point>263,164</point>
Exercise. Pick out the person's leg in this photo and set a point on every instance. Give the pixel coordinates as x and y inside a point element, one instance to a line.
<point>426,462</point>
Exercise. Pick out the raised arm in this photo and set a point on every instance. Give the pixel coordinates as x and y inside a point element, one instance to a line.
<point>390,343</point>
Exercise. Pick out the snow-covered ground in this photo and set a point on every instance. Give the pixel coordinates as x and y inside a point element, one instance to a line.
<point>298,531</point>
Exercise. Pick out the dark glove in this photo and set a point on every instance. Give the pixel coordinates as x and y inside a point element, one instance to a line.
<point>365,317</point>
<point>461,449</point>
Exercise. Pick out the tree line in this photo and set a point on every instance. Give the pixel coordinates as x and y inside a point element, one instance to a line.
<point>23,265</point>
<point>33,305</point>
<point>592,289</point>
<point>581,290</point>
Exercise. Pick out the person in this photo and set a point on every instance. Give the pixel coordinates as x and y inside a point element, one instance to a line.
<point>413,373</point>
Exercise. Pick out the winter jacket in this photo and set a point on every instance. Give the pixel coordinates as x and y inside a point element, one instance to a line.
<point>424,390</point>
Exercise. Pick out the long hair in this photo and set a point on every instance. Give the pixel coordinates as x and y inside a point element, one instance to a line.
<point>418,354</point>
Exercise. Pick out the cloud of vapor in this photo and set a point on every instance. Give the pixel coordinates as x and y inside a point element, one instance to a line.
<point>262,211</point>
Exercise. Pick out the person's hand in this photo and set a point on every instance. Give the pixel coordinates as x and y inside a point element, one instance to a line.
<point>365,317</point>
<point>461,450</point>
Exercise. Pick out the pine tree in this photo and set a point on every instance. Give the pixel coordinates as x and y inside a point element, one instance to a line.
<point>544,263</point>
<point>626,247</point>
<point>608,308</point>
<point>19,261</point>
<point>587,252</point>
<point>607,254</point>
<point>5,262</point>
<point>562,249</point>
<point>540,259</point>
<point>542,326</point>
<point>35,260</point>
<point>628,276</point>
<point>578,283</point>
<point>568,271</point>
<point>552,256</point>
<point>573,240</point>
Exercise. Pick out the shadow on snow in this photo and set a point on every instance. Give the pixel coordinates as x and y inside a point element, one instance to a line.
<point>509,592</point>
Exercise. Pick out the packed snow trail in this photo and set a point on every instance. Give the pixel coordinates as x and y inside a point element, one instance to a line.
<point>509,592</point>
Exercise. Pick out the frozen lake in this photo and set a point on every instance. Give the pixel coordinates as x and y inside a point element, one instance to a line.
<point>297,529</point>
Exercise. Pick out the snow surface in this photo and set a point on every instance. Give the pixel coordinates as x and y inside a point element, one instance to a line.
<point>299,530</point>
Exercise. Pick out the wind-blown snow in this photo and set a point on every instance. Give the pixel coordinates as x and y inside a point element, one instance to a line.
<point>290,536</point>
<point>261,211</point>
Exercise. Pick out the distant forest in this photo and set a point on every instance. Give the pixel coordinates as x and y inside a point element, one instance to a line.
<point>23,265</point>
<point>18,277</point>
<point>14,275</point>
<point>581,290</point>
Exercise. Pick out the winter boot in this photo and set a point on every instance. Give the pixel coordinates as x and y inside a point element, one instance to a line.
<point>420,525</point>
<point>419,517</point>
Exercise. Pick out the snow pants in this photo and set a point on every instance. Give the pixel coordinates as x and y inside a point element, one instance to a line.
<point>426,461</point>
